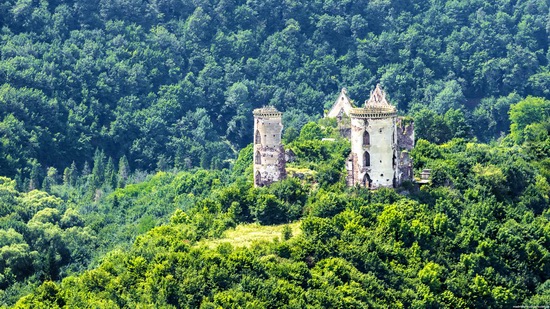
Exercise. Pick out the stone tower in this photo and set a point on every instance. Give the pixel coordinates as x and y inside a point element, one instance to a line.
<point>269,153</point>
<point>375,157</point>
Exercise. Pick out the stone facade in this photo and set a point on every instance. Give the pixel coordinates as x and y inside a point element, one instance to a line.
<point>269,153</point>
<point>341,107</point>
<point>340,110</point>
<point>405,143</point>
<point>380,142</point>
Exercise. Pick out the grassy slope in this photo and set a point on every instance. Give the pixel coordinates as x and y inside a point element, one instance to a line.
<point>244,235</point>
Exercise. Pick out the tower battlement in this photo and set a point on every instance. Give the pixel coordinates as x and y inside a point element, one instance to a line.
<point>269,153</point>
<point>376,159</point>
<point>267,112</point>
<point>373,112</point>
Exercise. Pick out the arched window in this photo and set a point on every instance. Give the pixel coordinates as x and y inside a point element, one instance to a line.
<point>367,182</point>
<point>366,159</point>
<point>258,178</point>
<point>257,138</point>
<point>366,138</point>
<point>258,159</point>
<point>394,161</point>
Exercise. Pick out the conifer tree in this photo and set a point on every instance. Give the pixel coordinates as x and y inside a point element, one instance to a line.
<point>50,179</point>
<point>98,171</point>
<point>110,174</point>
<point>86,169</point>
<point>67,176</point>
<point>34,182</point>
<point>84,180</point>
<point>123,171</point>
<point>73,176</point>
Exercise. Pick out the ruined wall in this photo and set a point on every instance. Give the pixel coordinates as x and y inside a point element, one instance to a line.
<point>341,107</point>
<point>269,153</point>
<point>405,143</point>
<point>405,133</point>
<point>349,168</point>
<point>381,151</point>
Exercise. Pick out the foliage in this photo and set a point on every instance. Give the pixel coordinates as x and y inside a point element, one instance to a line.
<point>118,121</point>
<point>172,85</point>
<point>476,236</point>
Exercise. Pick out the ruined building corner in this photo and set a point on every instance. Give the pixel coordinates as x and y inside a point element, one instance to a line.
<point>340,110</point>
<point>269,153</point>
<point>380,144</point>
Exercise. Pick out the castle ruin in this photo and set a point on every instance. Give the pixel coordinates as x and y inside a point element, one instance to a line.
<point>269,153</point>
<point>380,144</point>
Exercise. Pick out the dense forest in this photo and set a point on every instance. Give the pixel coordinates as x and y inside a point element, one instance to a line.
<point>124,152</point>
<point>171,84</point>
<point>477,236</point>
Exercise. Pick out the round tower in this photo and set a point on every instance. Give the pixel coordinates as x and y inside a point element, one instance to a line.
<point>373,158</point>
<point>269,153</point>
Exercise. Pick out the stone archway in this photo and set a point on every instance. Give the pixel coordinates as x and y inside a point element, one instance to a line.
<point>367,182</point>
<point>366,139</point>
<point>258,178</point>
<point>366,159</point>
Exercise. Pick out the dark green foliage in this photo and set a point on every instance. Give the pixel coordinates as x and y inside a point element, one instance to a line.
<point>108,91</point>
<point>475,237</point>
<point>269,210</point>
<point>170,84</point>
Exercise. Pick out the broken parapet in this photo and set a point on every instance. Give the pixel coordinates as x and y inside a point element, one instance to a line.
<point>290,156</point>
<point>269,153</point>
<point>405,143</point>
<point>405,133</point>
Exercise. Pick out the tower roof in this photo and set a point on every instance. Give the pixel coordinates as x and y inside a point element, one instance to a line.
<point>267,111</point>
<point>342,105</point>
<point>378,100</point>
<point>376,106</point>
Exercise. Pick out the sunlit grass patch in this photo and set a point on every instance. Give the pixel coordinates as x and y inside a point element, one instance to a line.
<point>244,235</point>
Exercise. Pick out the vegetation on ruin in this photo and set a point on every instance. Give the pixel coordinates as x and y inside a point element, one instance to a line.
<point>171,84</point>
<point>477,236</point>
<point>125,164</point>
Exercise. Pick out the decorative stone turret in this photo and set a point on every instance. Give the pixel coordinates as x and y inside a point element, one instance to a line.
<point>269,153</point>
<point>376,158</point>
<point>341,107</point>
<point>341,110</point>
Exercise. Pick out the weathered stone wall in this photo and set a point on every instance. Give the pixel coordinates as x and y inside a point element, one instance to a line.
<point>381,150</point>
<point>405,168</point>
<point>405,143</point>
<point>269,153</point>
<point>349,168</point>
<point>405,133</point>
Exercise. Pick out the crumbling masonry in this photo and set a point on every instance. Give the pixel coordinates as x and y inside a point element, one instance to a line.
<point>380,145</point>
<point>269,153</point>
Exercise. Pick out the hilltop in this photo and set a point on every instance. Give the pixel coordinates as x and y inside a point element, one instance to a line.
<point>477,236</point>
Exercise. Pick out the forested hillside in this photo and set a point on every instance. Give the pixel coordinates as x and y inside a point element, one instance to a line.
<point>172,83</point>
<point>476,237</point>
<point>125,128</point>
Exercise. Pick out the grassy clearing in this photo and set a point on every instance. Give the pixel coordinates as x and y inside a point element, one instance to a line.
<point>245,235</point>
